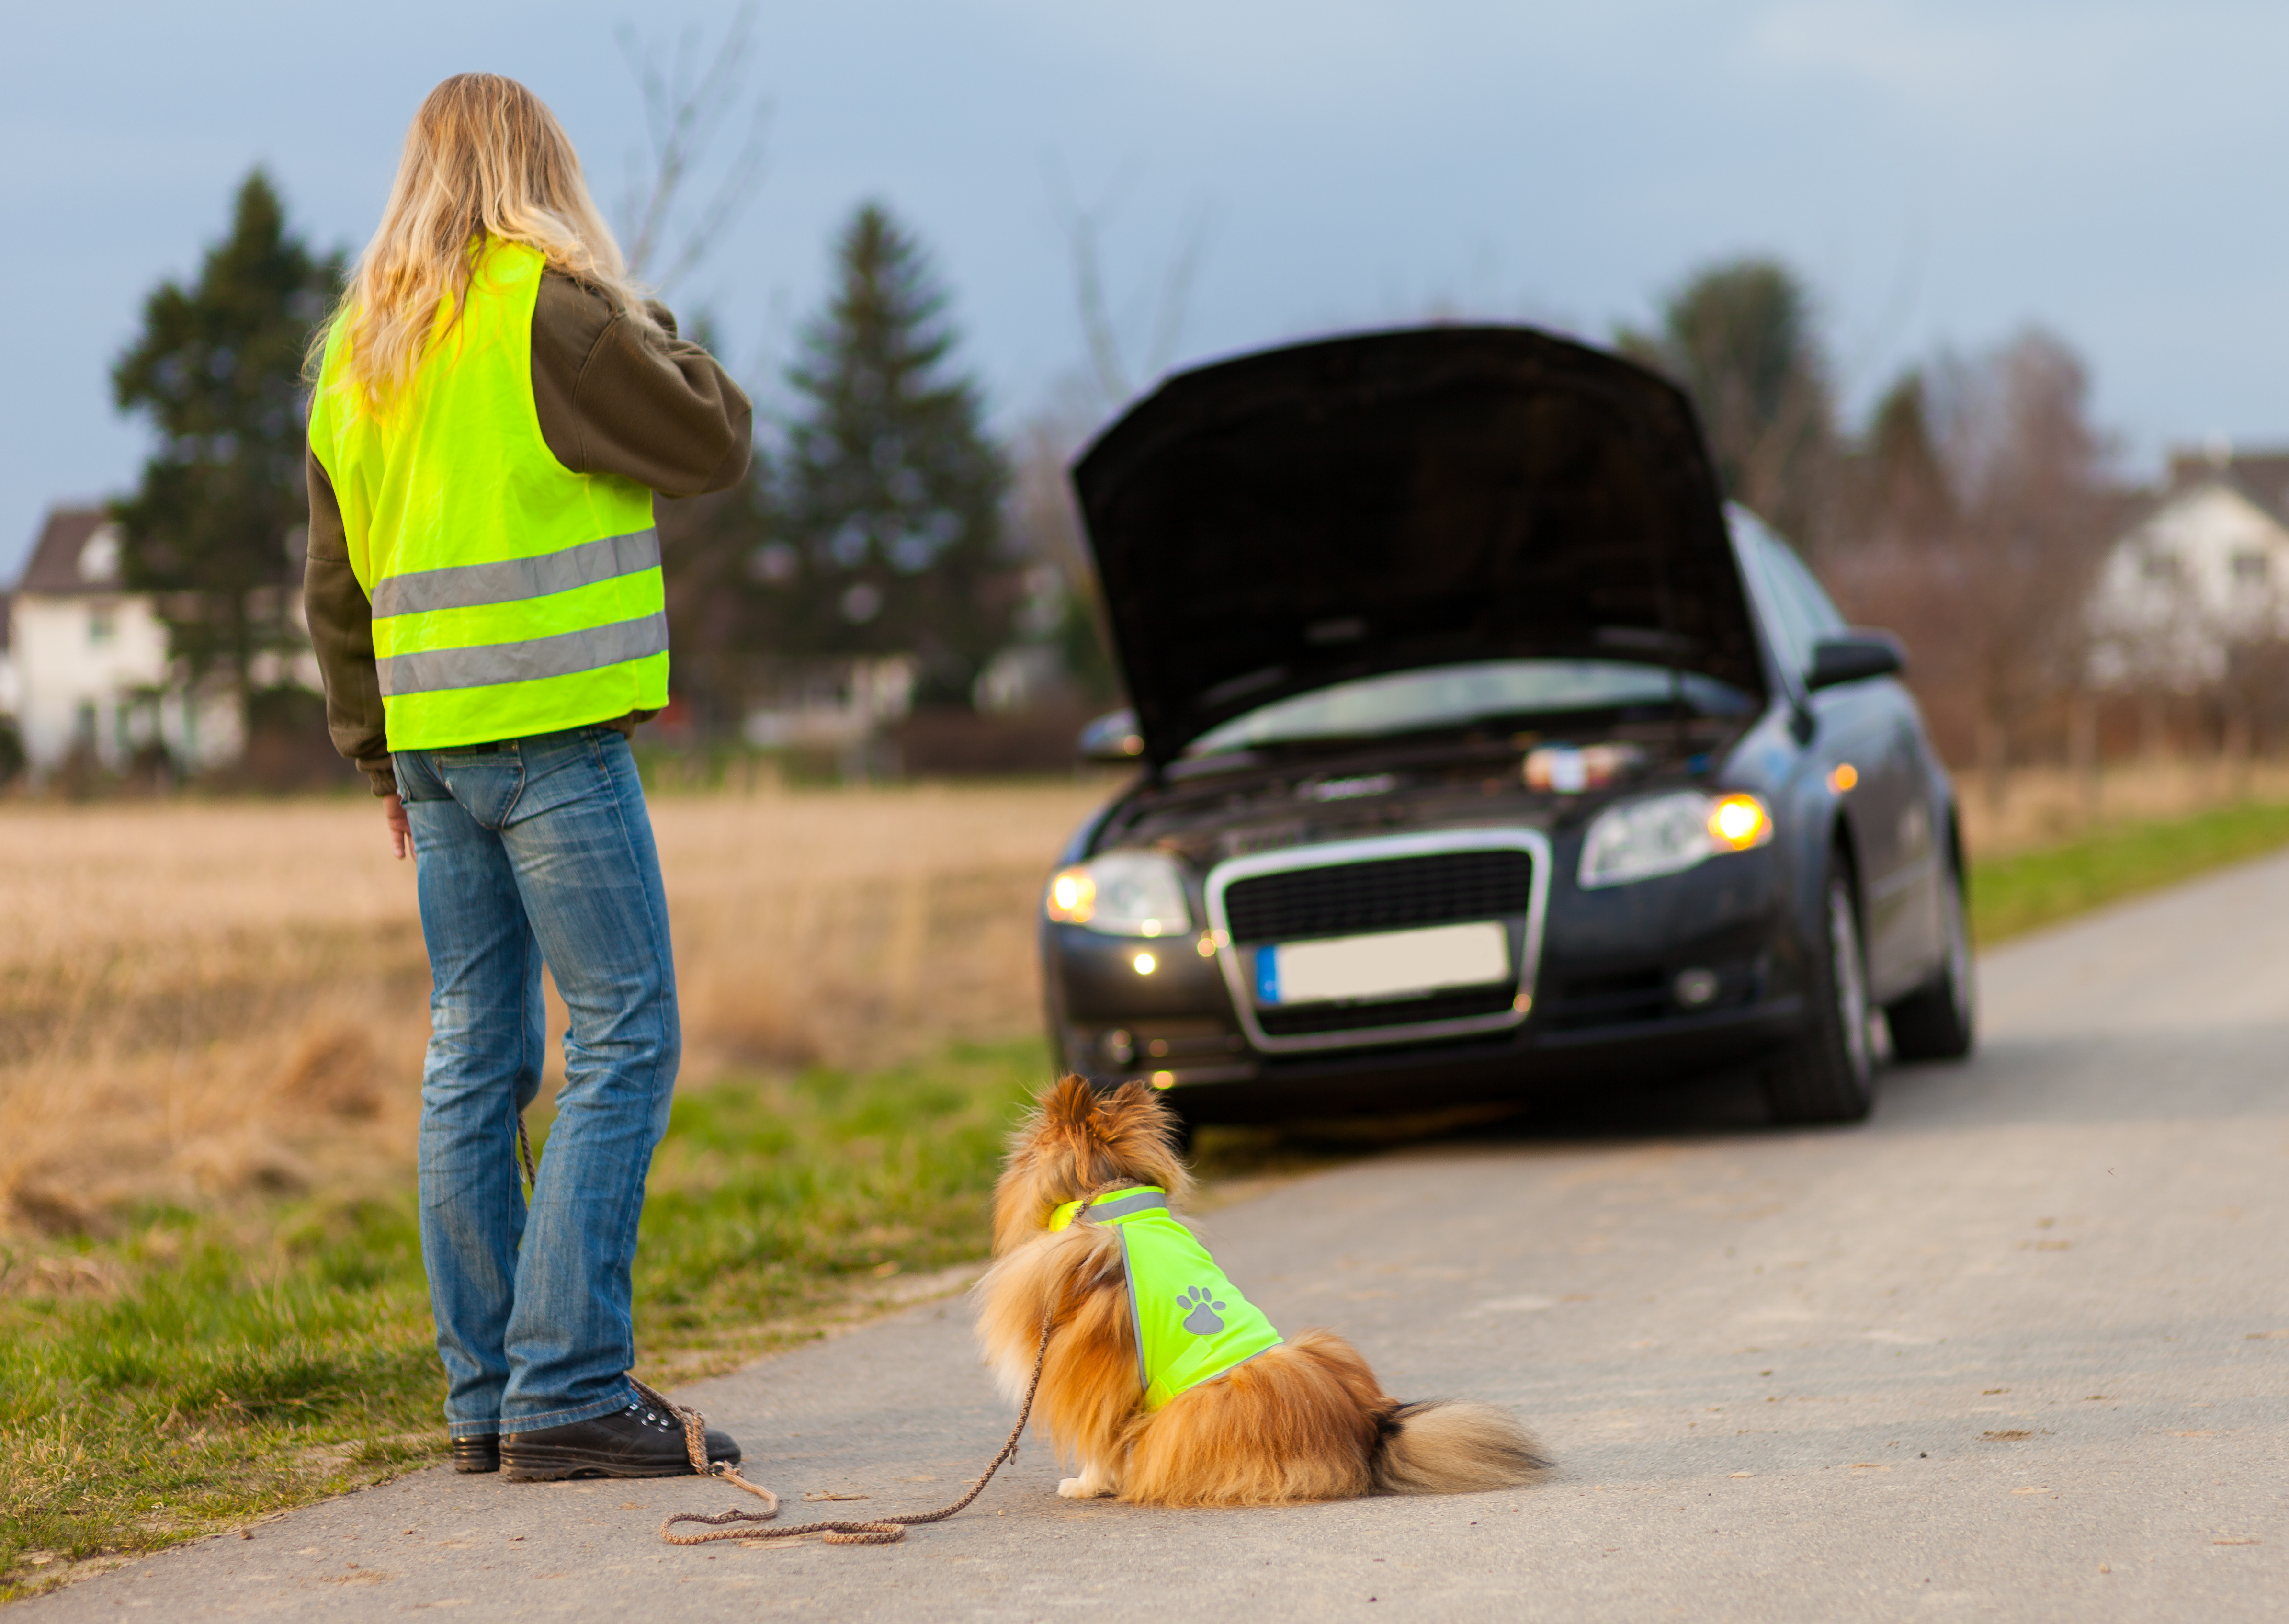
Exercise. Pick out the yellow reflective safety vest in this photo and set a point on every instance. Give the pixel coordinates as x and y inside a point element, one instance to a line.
<point>511,596</point>
<point>1193,1324</point>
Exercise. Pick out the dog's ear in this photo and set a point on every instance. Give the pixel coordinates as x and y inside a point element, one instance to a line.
<point>1069,1102</point>
<point>1133,1102</point>
<point>1139,1132</point>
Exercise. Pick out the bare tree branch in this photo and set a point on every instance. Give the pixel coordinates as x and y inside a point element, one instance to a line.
<point>1177,290</point>
<point>1083,229</point>
<point>685,107</point>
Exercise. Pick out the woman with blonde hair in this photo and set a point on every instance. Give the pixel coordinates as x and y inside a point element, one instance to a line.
<point>496,405</point>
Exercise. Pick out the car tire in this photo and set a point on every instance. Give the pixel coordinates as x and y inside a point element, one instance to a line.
<point>1941,1021</point>
<point>1828,1075</point>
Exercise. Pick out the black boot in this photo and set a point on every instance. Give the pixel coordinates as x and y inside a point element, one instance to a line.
<point>479,1455</point>
<point>637,1441</point>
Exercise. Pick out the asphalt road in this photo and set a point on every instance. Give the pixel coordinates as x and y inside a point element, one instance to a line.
<point>2018,1349</point>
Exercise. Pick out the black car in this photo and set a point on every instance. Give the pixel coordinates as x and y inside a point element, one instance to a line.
<point>1483,751</point>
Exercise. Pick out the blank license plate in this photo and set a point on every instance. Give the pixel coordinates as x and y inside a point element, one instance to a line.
<point>1390,964</point>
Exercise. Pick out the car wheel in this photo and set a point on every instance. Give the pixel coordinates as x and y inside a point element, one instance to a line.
<point>1828,1075</point>
<point>1938,1023</point>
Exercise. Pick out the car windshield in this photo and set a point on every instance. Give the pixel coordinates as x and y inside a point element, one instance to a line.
<point>1455,696</point>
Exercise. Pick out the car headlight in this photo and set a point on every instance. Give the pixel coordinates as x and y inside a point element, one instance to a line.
<point>1668,834</point>
<point>1123,893</point>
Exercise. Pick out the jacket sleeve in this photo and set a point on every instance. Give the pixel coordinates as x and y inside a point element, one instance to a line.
<point>615,398</point>
<point>341,635</point>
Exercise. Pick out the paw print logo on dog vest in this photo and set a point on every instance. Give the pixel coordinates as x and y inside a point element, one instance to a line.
<point>1201,1314</point>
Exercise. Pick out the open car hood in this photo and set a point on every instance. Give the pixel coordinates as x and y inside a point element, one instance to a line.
<point>1272,524</point>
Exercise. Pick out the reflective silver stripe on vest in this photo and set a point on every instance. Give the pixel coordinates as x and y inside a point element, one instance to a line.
<point>512,580</point>
<point>590,649</point>
<point>1125,1206</point>
<point>1135,1319</point>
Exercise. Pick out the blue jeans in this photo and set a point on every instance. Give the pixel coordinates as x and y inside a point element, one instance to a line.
<point>537,850</point>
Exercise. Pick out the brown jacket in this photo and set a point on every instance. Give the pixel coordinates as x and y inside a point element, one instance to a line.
<point>612,399</point>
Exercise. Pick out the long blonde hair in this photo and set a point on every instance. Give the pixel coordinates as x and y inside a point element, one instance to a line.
<point>484,161</point>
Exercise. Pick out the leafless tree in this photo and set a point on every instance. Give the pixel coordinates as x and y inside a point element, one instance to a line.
<point>691,93</point>
<point>2036,510</point>
<point>2250,690</point>
<point>1985,557</point>
<point>1043,518</point>
<point>2151,635</point>
<point>1043,525</point>
<point>1103,326</point>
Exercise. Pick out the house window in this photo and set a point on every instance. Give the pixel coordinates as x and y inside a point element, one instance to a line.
<point>102,627</point>
<point>2250,569</point>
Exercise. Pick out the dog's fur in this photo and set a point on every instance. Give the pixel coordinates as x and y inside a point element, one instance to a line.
<point>1305,1421</point>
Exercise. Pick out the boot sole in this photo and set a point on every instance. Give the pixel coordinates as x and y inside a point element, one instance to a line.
<point>556,1464</point>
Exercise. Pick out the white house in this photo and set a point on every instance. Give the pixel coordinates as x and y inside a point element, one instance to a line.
<point>2206,567</point>
<point>835,704</point>
<point>90,671</point>
<point>8,698</point>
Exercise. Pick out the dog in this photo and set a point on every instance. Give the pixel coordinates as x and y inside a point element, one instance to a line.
<point>1219,1410</point>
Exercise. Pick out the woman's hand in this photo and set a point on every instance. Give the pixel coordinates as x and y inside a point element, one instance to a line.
<point>400,833</point>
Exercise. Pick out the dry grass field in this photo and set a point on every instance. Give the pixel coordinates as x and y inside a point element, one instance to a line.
<point>204,1000</point>
<point>199,1000</point>
<point>2048,806</point>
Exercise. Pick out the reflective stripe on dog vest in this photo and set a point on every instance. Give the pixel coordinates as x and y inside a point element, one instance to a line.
<point>1193,1324</point>
<point>511,596</point>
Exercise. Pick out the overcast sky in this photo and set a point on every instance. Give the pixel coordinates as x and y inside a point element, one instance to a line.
<point>1941,174</point>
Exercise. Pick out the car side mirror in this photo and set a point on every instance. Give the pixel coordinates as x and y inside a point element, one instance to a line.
<point>1112,739</point>
<point>1854,657</point>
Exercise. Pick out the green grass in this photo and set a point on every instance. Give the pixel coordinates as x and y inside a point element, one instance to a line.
<point>2012,894</point>
<point>767,1198</point>
<point>194,1370</point>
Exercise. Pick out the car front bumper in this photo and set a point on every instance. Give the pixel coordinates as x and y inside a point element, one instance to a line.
<point>1529,1064</point>
<point>1611,998</point>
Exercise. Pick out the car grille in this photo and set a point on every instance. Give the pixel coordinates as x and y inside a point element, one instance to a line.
<point>1351,898</point>
<point>1399,1012</point>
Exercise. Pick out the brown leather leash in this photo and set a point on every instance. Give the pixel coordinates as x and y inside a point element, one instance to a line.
<point>873,1531</point>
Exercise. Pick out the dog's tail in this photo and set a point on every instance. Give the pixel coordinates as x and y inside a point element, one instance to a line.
<point>1452,1449</point>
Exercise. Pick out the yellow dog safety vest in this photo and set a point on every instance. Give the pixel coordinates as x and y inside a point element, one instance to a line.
<point>510,595</point>
<point>1193,1324</point>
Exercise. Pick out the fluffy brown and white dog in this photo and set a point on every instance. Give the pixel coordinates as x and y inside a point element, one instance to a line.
<point>1303,1420</point>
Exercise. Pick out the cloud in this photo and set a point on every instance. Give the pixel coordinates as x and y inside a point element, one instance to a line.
<point>2010,63</point>
<point>1315,54</point>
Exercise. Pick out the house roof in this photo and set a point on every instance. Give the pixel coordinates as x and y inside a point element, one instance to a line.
<point>59,562</point>
<point>2262,477</point>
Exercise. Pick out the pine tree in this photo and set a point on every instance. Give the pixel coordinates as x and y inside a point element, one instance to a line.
<point>886,537</point>
<point>1900,490</point>
<point>1739,337</point>
<point>217,371</point>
